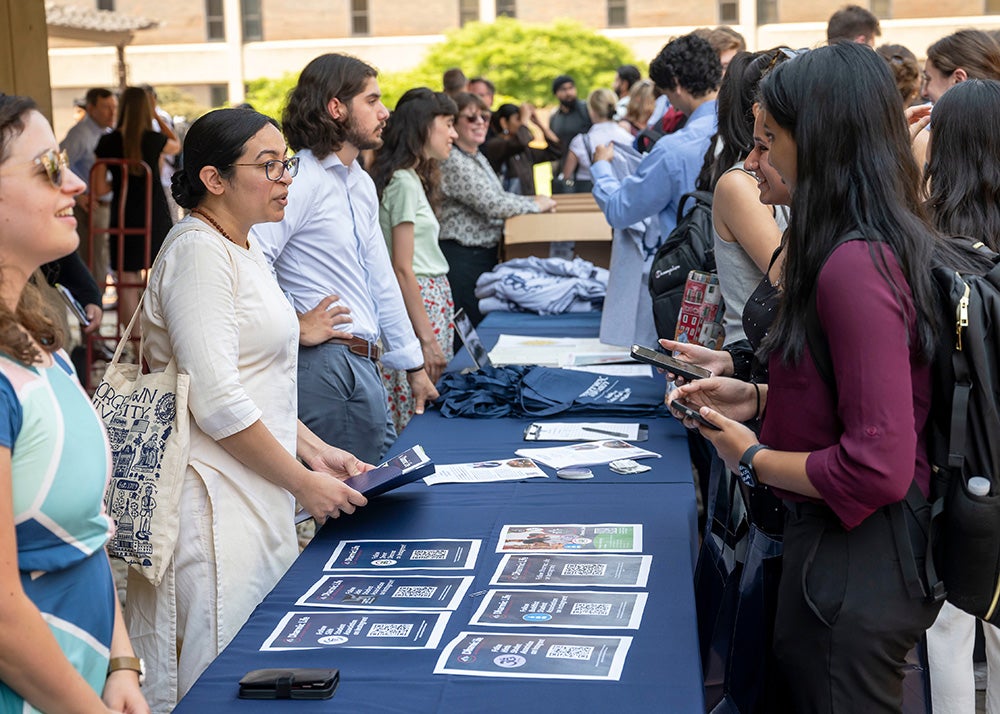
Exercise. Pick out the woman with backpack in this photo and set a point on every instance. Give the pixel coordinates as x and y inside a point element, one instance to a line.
<point>841,456</point>
<point>964,200</point>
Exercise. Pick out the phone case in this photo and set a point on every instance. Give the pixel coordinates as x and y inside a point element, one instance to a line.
<point>297,683</point>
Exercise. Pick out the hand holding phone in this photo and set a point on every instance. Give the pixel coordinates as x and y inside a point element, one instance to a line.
<point>687,411</point>
<point>687,370</point>
<point>71,302</point>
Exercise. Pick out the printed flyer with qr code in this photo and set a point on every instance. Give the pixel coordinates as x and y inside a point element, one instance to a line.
<point>390,592</point>
<point>572,537</point>
<point>368,629</point>
<point>427,554</point>
<point>567,608</point>
<point>482,654</point>
<point>606,570</point>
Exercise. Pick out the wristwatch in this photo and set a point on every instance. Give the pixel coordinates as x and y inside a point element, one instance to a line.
<point>136,664</point>
<point>748,474</point>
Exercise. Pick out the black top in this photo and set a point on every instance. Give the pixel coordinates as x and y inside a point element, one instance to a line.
<point>111,146</point>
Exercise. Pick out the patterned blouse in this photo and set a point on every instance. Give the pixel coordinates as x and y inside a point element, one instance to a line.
<point>475,204</point>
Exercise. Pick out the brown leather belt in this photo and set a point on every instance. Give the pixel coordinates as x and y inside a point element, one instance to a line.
<point>362,348</point>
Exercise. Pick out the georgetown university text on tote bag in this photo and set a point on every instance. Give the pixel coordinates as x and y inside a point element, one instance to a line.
<point>146,416</point>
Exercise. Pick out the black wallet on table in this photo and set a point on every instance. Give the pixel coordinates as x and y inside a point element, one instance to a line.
<point>289,684</point>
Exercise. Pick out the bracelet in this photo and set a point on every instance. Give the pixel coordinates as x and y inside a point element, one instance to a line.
<point>414,369</point>
<point>756,411</point>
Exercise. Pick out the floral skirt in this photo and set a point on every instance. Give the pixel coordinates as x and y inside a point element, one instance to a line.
<point>440,308</point>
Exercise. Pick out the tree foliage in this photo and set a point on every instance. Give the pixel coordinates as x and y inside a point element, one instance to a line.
<point>520,59</point>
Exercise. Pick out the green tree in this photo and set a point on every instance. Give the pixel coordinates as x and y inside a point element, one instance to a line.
<point>520,59</point>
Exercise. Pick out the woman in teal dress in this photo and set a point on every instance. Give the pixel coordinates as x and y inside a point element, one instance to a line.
<point>63,644</point>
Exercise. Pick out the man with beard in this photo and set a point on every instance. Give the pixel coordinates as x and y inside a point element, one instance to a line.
<point>570,118</point>
<point>330,259</point>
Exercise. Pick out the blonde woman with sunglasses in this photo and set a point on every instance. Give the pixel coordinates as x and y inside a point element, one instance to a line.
<point>63,644</point>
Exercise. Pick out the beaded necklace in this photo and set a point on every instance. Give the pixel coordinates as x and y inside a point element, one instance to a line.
<point>215,224</point>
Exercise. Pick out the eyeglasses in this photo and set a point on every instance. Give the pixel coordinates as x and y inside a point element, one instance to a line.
<point>55,163</point>
<point>473,118</point>
<point>275,169</point>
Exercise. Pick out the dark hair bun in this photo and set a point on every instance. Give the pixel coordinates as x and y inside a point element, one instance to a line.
<point>186,195</point>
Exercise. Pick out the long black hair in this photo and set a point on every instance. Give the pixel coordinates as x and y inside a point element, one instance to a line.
<point>964,167</point>
<point>404,138</point>
<point>735,107</point>
<point>854,172</point>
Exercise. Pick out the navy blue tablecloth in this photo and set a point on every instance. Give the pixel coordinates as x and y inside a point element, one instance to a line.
<point>662,671</point>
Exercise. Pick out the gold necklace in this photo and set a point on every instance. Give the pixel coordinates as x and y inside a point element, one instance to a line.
<point>215,224</point>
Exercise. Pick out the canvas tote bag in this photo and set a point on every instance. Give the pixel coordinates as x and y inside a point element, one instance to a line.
<point>147,420</point>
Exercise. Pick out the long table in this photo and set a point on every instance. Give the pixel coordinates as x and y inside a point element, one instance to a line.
<point>662,671</point>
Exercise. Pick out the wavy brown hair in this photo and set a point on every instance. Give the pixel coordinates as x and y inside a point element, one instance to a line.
<point>31,316</point>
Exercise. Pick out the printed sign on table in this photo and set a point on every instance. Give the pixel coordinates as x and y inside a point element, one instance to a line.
<point>368,629</point>
<point>553,608</point>
<point>538,656</point>
<point>572,537</point>
<point>397,592</point>
<point>437,554</point>
<point>593,569</point>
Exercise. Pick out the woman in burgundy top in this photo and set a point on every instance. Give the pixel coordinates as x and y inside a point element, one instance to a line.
<point>856,246</point>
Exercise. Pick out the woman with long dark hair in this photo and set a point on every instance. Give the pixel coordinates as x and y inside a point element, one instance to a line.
<point>417,137</point>
<point>63,643</point>
<point>509,149</point>
<point>963,174</point>
<point>135,140</point>
<point>214,306</point>
<point>842,456</point>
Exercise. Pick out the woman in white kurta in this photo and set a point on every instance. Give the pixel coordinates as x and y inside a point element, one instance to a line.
<point>213,304</point>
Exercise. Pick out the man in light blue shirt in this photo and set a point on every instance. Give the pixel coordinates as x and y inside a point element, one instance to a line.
<point>81,140</point>
<point>688,72</point>
<point>329,251</point>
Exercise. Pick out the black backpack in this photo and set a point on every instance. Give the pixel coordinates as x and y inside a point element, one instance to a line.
<point>690,246</point>
<point>963,548</point>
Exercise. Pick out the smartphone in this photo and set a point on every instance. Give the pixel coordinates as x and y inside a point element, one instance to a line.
<point>687,370</point>
<point>71,302</point>
<point>689,412</point>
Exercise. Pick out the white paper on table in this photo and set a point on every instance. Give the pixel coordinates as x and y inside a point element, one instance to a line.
<point>615,370</point>
<point>485,472</point>
<point>587,453</point>
<point>552,351</point>
<point>583,431</point>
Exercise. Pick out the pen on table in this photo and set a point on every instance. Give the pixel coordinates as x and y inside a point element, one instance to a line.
<point>604,431</point>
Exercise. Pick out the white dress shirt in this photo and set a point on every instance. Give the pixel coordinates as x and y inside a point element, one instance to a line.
<point>330,243</point>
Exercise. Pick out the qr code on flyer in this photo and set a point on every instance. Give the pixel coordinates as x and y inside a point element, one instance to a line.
<point>415,591</point>
<point>591,608</point>
<point>390,629</point>
<point>438,554</point>
<point>570,652</point>
<point>585,569</point>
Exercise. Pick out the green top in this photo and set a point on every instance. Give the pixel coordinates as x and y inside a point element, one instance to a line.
<point>404,201</point>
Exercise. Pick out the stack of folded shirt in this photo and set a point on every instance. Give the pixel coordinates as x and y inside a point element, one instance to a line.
<point>544,285</point>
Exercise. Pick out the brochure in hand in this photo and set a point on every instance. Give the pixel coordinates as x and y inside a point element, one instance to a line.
<point>398,471</point>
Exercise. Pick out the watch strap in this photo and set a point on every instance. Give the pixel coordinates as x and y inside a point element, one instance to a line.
<point>746,465</point>
<point>132,663</point>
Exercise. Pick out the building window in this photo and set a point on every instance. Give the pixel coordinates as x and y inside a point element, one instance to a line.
<point>218,95</point>
<point>253,24</point>
<point>215,20</point>
<point>617,15</point>
<point>108,5</point>
<point>506,8</point>
<point>729,12</point>
<point>767,12</point>
<point>468,11</point>
<point>882,8</point>
<point>359,17</point>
